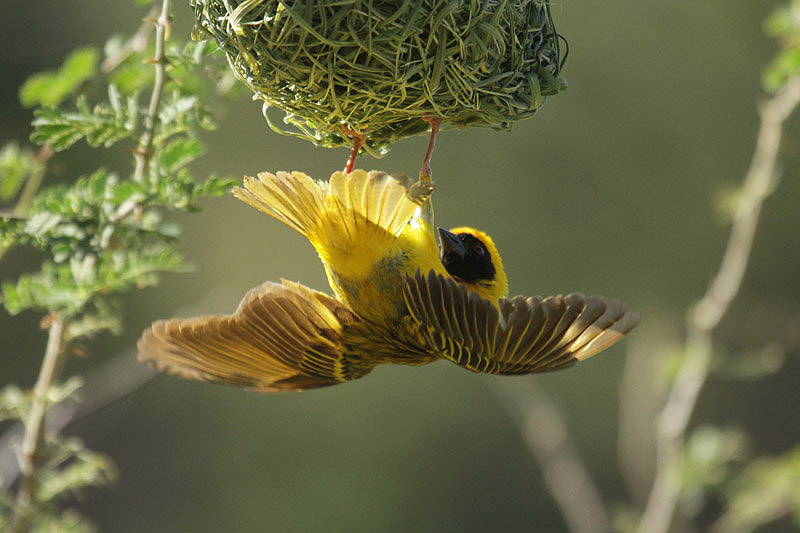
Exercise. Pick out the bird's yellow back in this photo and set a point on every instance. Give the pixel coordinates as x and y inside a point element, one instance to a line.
<point>368,228</point>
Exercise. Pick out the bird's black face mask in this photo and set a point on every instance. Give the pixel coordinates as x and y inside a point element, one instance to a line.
<point>465,257</point>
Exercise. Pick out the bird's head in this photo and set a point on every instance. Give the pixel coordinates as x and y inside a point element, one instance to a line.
<point>470,256</point>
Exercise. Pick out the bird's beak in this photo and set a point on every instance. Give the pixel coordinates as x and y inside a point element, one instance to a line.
<point>451,243</point>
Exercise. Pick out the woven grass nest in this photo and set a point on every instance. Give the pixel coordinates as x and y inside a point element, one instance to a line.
<point>377,67</point>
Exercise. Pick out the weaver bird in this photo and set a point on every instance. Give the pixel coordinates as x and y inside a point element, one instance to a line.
<point>398,298</point>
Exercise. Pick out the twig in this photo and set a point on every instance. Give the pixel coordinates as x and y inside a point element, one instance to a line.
<point>706,314</point>
<point>32,184</point>
<point>145,149</point>
<point>548,440</point>
<point>34,180</point>
<point>136,43</point>
<point>30,449</point>
<point>32,441</point>
<point>109,383</point>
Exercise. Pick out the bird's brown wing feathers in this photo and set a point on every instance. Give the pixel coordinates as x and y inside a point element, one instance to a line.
<point>282,337</point>
<point>525,335</point>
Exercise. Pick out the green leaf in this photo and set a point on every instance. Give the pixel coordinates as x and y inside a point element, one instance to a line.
<point>180,152</point>
<point>215,186</point>
<point>42,222</point>
<point>707,460</point>
<point>132,78</point>
<point>90,324</point>
<point>767,490</point>
<point>749,365</point>
<point>182,114</point>
<point>51,88</point>
<point>74,467</point>
<point>67,521</point>
<point>103,125</point>
<point>11,231</point>
<point>784,25</point>
<point>52,288</point>
<point>78,287</point>
<point>14,403</point>
<point>181,191</point>
<point>61,391</point>
<point>15,167</point>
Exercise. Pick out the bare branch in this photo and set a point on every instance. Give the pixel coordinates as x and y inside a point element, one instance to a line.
<point>145,150</point>
<point>548,440</point>
<point>706,314</point>
<point>136,43</point>
<point>34,425</point>
<point>110,382</point>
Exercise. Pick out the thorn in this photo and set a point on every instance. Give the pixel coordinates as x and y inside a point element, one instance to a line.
<point>425,172</point>
<point>48,320</point>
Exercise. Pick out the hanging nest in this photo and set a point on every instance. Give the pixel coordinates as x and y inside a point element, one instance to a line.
<point>377,67</point>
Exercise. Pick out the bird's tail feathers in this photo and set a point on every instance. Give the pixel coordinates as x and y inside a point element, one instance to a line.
<point>293,198</point>
<point>346,201</point>
<point>385,201</point>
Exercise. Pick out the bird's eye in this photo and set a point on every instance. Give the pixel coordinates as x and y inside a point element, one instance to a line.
<point>480,250</point>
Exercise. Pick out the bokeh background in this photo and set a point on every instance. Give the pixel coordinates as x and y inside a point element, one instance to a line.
<point>610,189</point>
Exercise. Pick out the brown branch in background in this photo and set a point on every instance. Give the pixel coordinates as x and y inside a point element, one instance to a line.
<point>136,43</point>
<point>548,440</point>
<point>30,449</point>
<point>704,316</point>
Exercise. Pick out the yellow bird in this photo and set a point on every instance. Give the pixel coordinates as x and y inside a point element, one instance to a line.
<point>398,298</point>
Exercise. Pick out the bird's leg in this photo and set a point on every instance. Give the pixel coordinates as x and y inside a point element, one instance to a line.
<point>425,172</point>
<point>358,142</point>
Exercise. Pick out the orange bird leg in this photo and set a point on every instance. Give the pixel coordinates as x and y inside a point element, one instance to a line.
<point>358,142</point>
<point>425,172</point>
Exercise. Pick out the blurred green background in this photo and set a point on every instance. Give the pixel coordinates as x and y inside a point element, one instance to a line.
<point>610,189</point>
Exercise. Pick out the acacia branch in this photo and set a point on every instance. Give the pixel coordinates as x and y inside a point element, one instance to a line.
<point>108,383</point>
<point>29,452</point>
<point>706,314</point>
<point>145,149</point>
<point>32,184</point>
<point>136,43</point>
<point>546,435</point>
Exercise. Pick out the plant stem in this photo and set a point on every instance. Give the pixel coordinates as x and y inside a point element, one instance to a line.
<point>137,43</point>
<point>32,184</point>
<point>108,383</point>
<point>31,444</point>
<point>546,435</point>
<point>145,150</point>
<point>34,181</point>
<point>706,314</point>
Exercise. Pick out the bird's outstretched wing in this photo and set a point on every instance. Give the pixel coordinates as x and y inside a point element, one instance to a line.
<point>525,335</point>
<point>282,337</point>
